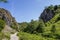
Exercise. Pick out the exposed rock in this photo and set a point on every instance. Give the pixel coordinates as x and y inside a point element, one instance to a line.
<point>47,15</point>
<point>7,17</point>
<point>49,12</point>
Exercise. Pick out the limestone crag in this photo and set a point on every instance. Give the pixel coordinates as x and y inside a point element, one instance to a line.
<point>47,15</point>
<point>7,17</point>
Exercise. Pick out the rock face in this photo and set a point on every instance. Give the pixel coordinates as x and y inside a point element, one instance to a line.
<point>49,12</point>
<point>47,15</point>
<point>7,17</point>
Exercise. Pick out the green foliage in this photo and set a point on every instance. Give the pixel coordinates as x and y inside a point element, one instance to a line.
<point>55,18</point>
<point>2,24</point>
<point>14,25</point>
<point>51,7</point>
<point>27,36</point>
<point>22,26</point>
<point>31,28</point>
<point>53,29</point>
<point>3,35</point>
<point>40,28</point>
<point>46,30</point>
<point>55,7</point>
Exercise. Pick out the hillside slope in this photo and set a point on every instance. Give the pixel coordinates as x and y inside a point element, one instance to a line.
<point>47,27</point>
<point>7,17</point>
<point>8,24</point>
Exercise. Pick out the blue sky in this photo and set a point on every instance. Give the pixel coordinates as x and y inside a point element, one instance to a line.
<point>25,10</point>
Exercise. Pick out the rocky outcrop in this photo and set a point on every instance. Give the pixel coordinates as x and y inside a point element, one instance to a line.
<point>49,12</point>
<point>7,17</point>
<point>46,15</point>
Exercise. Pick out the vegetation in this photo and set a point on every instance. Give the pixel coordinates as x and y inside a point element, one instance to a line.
<point>27,36</point>
<point>2,24</point>
<point>14,26</point>
<point>4,36</point>
<point>37,29</point>
<point>40,30</point>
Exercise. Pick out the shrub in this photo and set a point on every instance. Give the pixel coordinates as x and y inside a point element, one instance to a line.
<point>27,36</point>
<point>2,24</point>
<point>4,35</point>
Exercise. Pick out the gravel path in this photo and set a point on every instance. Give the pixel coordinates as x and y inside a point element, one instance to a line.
<point>14,37</point>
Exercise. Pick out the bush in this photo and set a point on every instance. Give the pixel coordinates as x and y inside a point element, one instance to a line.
<point>3,35</point>
<point>27,36</point>
<point>14,26</point>
<point>2,24</point>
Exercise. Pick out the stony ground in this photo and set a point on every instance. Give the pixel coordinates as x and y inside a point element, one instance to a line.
<point>14,37</point>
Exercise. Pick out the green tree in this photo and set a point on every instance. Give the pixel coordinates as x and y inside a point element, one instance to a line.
<point>51,7</point>
<point>32,26</point>
<point>55,7</point>
<point>40,28</point>
<point>53,29</point>
<point>22,26</point>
